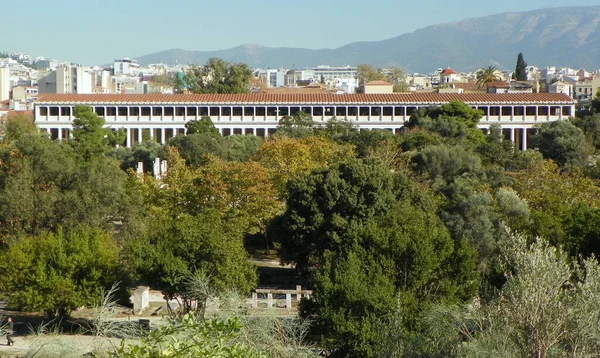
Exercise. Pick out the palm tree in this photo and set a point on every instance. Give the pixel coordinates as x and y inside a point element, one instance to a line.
<point>488,74</point>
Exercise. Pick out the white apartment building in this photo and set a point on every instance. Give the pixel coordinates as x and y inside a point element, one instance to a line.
<point>125,66</point>
<point>67,79</point>
<point>334,72</point>
<point>272,78</point>
<point>4,83</point>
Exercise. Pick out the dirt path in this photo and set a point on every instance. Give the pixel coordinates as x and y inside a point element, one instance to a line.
<point>58,346</point>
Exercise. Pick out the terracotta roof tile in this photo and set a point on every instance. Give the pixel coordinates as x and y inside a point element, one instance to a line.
<point>267,98</point>
<point>448,71</point>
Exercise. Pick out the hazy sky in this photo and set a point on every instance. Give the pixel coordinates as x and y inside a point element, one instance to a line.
<point>97,31</point>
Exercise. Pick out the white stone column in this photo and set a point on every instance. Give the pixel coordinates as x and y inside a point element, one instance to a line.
<point>162,136</point>
<point>512,135</point>
<point>128,137</point>
<point>524,138</point>
<point>140,138</point>
<point>60,134</point>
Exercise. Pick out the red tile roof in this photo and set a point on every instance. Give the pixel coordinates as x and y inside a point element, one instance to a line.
<point>268,98</point>
<point>448,71</point>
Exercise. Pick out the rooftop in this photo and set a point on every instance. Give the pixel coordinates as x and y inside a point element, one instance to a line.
<point>324,98</point>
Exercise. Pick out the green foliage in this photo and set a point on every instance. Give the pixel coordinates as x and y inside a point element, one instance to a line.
<point>13,127</point>
<point>394,75</point>
<point>195,148</point>
<point>57,272</point>
<point>44,185</point>
<point>562,142</point>
<point>192,337</point>
<point>357,222</point>
<point>299,125</point>
<point>204,125</point>
<point>174,249</point>
<point>219,76</point>
<point>546,308</point>
<point>590,125</point>
<point>520,73</point>
<point>487,74</point>
<point>116,137</point>
<point>88,132</point>
<point>338,129</point>
<point>455,121</point>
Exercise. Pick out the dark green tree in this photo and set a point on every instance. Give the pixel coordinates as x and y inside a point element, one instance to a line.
<point>590,125</point>
<point>56,272</point>
<point>356,223</point>
<point>298,125</point>
<point>88,133</point>
<point>204,125</point>
<point>175,249</point>
<point>455,121</point>
<point>219,76</point>
<point>562,142</point>
<point>520,73</point>
<point>44,185</point>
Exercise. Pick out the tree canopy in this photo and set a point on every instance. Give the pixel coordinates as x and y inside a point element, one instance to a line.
<point>219,76</point>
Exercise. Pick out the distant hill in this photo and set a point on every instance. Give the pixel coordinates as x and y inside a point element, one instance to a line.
<point>568,36</point>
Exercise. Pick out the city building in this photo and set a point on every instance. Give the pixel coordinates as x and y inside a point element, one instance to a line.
<point>4,83</point>
<point>586,89</point>
<point>561,87</point>
<point>67,79</point>
<point>378,87</point>
<point>125,66</point>
<point>165,116</point>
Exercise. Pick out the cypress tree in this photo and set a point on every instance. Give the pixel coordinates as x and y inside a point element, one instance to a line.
<point>520,74</point>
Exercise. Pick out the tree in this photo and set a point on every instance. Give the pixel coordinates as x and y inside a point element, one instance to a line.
<point>285,158</point>
<point>398,78</point>
<point>45,185</point>
<point>13,126</point>
<point>562,142</point>
<point>552,196</point>
<point>298,125</point>
<point>455,121</point>
<point>546,308</point>
<point>241,192</point>
<point>219,76</point>
<point>88,132</point>
<point>487,74</point>
<point>520,73</point>
<point>204,125</point>
<point>367,73</point>
<point>590,125</point>
<point>358,222</point>
<point>176,248</point>
<point>56,273</point>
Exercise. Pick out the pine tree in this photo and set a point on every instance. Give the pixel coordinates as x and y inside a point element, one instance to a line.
<point>520,74</point>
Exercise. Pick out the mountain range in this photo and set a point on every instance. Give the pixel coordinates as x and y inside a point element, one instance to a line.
<point>566,36</point>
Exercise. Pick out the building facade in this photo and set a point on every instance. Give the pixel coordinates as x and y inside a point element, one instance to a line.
<point>66,79</point>
<point>165,116</point>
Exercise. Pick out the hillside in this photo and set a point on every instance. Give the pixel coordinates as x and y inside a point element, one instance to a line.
<point>567,36</point>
